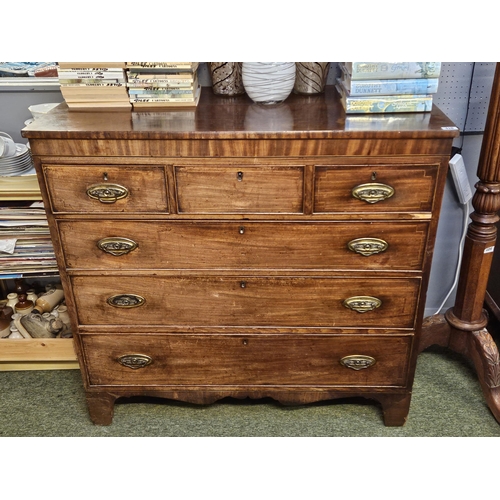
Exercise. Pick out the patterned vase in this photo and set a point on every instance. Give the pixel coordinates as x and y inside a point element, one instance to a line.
<point>311,77</point>
<point>226,78</point>
<point>268,82</point>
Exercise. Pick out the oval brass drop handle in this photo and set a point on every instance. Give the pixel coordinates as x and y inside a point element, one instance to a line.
<point>117,245</point>
<point>368,246</point>
<point>135,361</point>
<point>357,361</point>
<point>126,300</point>
<point>362,303</point>
<point>372,192</point>
<point>107,192</point>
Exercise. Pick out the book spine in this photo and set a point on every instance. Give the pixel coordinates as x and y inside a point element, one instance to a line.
<point>161,65</point>
<point>92,81</point>
<point>386,104</point>
<point>161,99</point>
<point>162,83</point>
<point>393,70</point>
<point>160,76</point>
<point>79,74</point>
<point>89,68</point>
<point>93,85</point>
<point>161,91</point>
<point>394,87</point>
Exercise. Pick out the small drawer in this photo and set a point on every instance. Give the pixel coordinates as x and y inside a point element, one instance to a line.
<point>226,360</point>
<point>239,189</point>
<point>173,301</point>
<point>106,189</point>
<point>243,245</point>
<point>375,189</point>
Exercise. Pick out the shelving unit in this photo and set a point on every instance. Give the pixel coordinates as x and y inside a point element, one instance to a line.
<point>33,354</point>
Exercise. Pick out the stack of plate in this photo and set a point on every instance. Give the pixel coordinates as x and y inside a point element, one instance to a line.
<point>17,164</point>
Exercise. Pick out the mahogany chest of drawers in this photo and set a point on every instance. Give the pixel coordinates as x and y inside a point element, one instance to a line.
<point>244,251</point>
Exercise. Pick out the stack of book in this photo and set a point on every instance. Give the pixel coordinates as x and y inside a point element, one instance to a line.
<point>163,84</point>
<point>25,243</point>
<point>89,86</point>
<point>388,87</point>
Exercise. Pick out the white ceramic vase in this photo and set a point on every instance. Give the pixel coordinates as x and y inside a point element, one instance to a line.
<point>268,82</point>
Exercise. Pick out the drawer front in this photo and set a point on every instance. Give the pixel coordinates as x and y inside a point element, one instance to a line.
<point>375,189</point>
<point>106,189</point>
<point>243,245</point>
<point>246,301</point>
<point>239,189</point>
<point>206,360</point>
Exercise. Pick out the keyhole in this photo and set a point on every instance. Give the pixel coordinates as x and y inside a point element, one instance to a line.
<point>374,176</point>
<point>105,176</point>
<point>242,230</point>
<point>239,176</point>
<point>243,284</point>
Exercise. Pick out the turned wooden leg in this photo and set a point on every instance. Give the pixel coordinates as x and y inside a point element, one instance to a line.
<point>395,409</point>
<point>462,328</point>
<point>101,407</point>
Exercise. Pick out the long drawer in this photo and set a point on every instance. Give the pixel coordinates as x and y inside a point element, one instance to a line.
<point>246,301</point>
<point>243,245</point>
<point>198,360</point>
<point>106,189</point>
<point>375,188</point>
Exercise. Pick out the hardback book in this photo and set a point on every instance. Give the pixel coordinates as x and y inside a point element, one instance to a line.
<point>385,103</point>
<point>389,86</point>
<point>392,70</point>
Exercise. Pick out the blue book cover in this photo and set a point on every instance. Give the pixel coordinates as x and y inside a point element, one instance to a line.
<point>393,87</point>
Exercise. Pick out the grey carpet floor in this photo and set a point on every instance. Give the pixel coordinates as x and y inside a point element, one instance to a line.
<point>447,401</point>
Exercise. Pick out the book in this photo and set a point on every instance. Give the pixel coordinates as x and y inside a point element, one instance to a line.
<point>392,70</point>
<point>161,101</point>
<point>389,86</point>
<point>91,74</point>
<point>165,91</point>
<point>100,105</point>
<point>93,64</point>
<point>92,81</point>
<point>154,82</point>
<point>145,75</point>
<point>166,66</point>
<point>385,103</point>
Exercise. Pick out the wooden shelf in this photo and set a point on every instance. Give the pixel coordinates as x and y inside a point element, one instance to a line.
<point>37,354</point>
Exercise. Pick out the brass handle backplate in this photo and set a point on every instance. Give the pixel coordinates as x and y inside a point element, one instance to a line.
<point>372,192</point>
<point>107,193</point>
<point>117,245</point>
<point>135,361</point>
<point>126,300</point>
<point>357,361</point>
<point>368,246</point>
<point>362,303</point>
